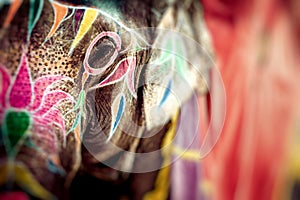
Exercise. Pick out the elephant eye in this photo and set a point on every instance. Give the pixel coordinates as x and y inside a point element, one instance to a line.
<point>101,53</point>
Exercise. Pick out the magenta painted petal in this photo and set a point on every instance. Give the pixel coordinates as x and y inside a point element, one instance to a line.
<point>21,92</point>
<point>44,135</point>
<point>4,84</point>
<point>130,80</point>
<point>119,72</point>
<point>54,116</point>
<point>40,86</point>
<point>51,99</point>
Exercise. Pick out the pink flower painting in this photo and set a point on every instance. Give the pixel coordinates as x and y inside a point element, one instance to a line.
<point>29,106</point>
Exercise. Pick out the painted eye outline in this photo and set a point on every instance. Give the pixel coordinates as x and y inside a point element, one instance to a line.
<point>116,39</point>
<point>130,62</point>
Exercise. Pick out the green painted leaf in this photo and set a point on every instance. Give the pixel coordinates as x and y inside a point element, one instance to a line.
<point>35,11</point>
<point>16,124</point>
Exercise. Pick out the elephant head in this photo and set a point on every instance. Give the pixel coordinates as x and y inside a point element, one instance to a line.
<point>85,86</point>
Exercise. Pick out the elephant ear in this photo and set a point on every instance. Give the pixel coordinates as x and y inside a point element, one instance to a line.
<point>165,71</point>
<point>176,69</point>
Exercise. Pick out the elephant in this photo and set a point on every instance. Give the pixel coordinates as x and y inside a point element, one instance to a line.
<point>87,86</point>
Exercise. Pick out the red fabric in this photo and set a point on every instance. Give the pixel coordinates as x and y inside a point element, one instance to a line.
<point>257,46</point>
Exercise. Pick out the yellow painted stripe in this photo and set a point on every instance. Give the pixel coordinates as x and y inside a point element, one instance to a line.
<point>89,17</point>
<point>295,160</point>
<point>291,173</point>
<point>190,155</point>
<point>20,174</point>
<point>161,189</point>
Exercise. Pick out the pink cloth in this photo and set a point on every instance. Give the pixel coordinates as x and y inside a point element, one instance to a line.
<point>256,44</point>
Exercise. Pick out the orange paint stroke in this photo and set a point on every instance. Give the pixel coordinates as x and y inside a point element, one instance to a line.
<point>60,12</point>
<point>12,12</point>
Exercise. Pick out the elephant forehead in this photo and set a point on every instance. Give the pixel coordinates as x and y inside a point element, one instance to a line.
<point>57,43</point>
